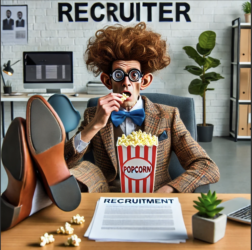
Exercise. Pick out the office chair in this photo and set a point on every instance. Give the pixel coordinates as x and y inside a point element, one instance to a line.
<point>69,116</point>
<point>187,114</point>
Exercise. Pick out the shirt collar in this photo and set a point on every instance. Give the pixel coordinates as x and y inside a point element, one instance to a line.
<point>139,105</point>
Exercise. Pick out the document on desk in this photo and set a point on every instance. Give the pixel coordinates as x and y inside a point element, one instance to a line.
<point>138,220</point>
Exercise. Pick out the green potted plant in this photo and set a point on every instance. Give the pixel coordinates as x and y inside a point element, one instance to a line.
<point>246,7</point>
<point>208,224</point>
<point>199,86</point>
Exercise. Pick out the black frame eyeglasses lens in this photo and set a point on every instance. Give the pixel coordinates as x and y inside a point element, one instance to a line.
<point>134,75</point>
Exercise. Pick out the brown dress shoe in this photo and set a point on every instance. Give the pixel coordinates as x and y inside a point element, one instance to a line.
<point>46,140</point>
<point>16,201</point>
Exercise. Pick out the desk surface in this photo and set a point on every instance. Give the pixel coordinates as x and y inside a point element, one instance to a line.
<point>26,234</point>
<point>24,97</point>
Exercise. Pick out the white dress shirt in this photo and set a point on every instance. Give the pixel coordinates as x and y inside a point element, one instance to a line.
<point>127,127</point>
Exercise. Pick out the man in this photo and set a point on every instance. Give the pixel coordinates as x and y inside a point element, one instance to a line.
<point>8,23</point>
<point>20,22</point>
<point>126,59</point>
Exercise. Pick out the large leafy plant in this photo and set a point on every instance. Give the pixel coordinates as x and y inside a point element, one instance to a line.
<point>207,205</point>
<point>200,55</point>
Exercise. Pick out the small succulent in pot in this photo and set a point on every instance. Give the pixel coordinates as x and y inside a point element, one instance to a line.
<point>246,7</point>
<point>207,205</point>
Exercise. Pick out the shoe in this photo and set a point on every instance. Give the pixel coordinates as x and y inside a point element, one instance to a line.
<point>46,139</point>
<point>16,201</point>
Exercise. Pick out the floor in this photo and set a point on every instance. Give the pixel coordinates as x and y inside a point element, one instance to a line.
<point>234,162</point>
<point>232,158</point>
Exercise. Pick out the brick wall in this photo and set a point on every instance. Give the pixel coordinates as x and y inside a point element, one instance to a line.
<point>46,33</point>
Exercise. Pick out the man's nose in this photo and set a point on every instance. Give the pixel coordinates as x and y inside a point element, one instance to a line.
<point>126,82</point>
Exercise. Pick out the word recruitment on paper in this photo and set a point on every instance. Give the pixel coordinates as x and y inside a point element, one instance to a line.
<point>139,201</point>
<point>124,11</point>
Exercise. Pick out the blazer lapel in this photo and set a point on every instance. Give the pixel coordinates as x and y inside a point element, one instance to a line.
<point>152,117</point>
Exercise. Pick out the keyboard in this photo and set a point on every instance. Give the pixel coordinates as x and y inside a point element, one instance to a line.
<point>242,215</point>
<point>42,94</point>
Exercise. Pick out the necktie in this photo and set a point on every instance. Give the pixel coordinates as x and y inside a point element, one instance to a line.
<point>137,116</point>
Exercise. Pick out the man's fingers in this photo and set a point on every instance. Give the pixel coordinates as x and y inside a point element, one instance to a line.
<point>110,97</point>
<point>106,107</point>
<point>113,108</point>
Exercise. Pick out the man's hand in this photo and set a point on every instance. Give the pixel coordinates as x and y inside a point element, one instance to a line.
<point>165,189</point>
<point>105,106</point>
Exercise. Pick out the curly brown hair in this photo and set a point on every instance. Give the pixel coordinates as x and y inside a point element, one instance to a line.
<point>126,43</point>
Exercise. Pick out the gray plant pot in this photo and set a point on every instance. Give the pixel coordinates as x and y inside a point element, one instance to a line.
<point>7,89</point>
<point>209,230</point>
<point>205,133</point>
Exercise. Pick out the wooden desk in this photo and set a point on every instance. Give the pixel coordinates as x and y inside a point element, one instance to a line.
<point>24,98</point>
<point>26,234</point>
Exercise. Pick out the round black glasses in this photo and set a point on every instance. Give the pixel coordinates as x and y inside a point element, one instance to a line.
<point>134,75</point>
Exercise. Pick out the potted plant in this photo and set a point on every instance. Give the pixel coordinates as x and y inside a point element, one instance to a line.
<point>7,88</point>
<point>208,224</point>
<point>246,7</point>
<point>199,86</point>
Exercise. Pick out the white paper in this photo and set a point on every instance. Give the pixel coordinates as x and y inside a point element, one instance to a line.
<point>138,220</point>
<point>92,221</point>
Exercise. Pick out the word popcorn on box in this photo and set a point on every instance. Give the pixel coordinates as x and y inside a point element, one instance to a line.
<point>137,154</point>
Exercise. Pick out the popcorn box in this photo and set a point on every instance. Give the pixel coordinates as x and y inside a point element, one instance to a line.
<point>137,166</point>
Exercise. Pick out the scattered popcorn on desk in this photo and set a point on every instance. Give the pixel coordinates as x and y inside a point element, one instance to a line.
<point>46,239</point>
<point>73,241</point>
<point>77,219</point>
<point>124,97</point>
<point>138,138</point>
<point>65,230</point>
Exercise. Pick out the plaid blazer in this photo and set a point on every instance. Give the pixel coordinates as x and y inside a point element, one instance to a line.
<point>200,169</point>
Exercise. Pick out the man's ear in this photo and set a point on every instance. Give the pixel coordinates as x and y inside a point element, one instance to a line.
<point>146,81</point>
<point>106,80</point>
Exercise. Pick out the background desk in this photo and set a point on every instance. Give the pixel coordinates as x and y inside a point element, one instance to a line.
<point>26,234</point>
<point>25,98</point>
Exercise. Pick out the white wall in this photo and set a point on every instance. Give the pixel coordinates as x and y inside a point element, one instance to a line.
<point>46,33</point>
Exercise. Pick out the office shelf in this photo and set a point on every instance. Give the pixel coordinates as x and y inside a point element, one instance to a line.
<point>242,64</point>
<point>236,66</point>
<point>240,101</point>
<point>241,136</point>
<point>242,25</point>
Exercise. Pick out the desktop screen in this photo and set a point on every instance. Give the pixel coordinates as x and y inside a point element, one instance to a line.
<point>48,69</point>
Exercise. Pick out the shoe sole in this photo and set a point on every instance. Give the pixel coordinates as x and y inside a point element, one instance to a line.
<point>16,201</point>
<point>46,139</point>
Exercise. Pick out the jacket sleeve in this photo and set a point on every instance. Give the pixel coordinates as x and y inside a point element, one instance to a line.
<point>200,168</point>
<point>71,154</point>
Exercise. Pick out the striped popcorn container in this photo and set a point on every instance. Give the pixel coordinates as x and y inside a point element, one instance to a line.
<point>137,166</point>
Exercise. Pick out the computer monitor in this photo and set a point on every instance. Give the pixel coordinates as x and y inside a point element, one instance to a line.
<point>48,70</point>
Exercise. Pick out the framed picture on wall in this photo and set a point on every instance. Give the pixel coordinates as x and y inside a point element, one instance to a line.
<point>14,24</point>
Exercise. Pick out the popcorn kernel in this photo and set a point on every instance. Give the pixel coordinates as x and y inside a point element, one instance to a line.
<point>46,239</point>
<point>138,138</point>
<point>65,230</point>
<point>124,97</point>
<point>73,241</point>
<point>77,219</point>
